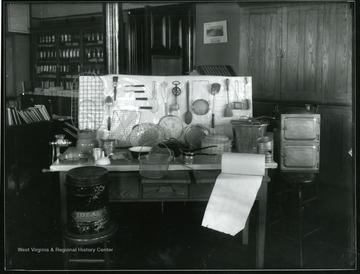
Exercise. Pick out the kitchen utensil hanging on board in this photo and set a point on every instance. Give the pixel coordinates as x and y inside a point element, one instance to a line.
<point>115,81</point>
<point>237,103</point>
<point>228,111</point>
<point>246,102</point>
<point>154,102</point>
<point>188,114</point>
<point>215,88</point>
<point>164,96</point>
<point>87,91</point>
<point>108,104</point>
<point>176,91</point>
<point>200,107</point>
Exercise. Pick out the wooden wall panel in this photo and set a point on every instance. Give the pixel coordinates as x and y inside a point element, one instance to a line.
<point>259,48</point>
<point>301,66</point>
<point>337,54</point>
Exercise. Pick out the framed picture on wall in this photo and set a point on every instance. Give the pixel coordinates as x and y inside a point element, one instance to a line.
<point>215,32</point>
<point>18,18</point>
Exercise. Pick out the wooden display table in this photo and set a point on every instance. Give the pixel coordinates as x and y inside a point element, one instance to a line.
<point>126,186</point>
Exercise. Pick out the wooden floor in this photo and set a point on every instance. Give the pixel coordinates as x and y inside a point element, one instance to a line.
<point>170,238</point>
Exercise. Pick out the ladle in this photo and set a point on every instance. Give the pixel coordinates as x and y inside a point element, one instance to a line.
<point>215,88</point>
<point>188,114</point>
<point>108,103</point>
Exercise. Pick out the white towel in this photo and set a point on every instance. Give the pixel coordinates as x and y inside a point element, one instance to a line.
<point>234,192</point>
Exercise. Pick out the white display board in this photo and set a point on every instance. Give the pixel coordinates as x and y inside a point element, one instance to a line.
<point>156,92</point>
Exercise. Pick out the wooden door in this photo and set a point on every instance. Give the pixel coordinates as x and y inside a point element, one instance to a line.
<point>301,63</point>
<point>259,50</point>
<point>161,39</point>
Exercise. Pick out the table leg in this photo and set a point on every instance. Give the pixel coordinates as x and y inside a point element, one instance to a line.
<point>245,233</point>
<point>63,207</point>
<point>261,229</point>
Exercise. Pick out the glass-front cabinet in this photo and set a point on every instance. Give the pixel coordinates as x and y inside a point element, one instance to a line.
<point>64,48</point>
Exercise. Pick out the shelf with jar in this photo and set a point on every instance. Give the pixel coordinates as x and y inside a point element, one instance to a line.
<point>63,48</point>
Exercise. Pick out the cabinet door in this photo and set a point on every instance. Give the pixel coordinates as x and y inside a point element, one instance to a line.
<point>337,53</point>
<point>301,63</point>
<point>259,50</point>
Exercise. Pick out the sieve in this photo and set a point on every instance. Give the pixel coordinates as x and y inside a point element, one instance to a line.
<point>200,106</point>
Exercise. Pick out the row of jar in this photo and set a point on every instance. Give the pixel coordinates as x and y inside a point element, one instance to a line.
<point>93,37</point>
<point>69,69</point>
<point>47,83</point>
<point>69,53</point>
<point>47,39</point>
<point>46,69</point>
<point>47,54</point>
<point>94,53</point>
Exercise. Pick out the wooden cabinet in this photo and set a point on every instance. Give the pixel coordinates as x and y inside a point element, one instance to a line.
<point>301,56</point>
<point>259,50</point>
<point>298,52</point>
<point>64,48</point>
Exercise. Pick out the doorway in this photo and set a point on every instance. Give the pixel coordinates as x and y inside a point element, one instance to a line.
<point>159,40</point>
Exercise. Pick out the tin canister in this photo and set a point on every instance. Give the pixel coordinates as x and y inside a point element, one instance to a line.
<point>87,200</point>
<point>265,145</point>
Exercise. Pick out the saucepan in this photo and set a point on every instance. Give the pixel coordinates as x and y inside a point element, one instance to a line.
<point>188,154</point>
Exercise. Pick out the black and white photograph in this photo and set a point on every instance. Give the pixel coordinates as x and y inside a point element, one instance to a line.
<point>215,32</point>
<point>212,136</point>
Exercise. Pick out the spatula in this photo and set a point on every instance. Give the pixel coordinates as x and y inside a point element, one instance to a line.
<point>215,88</point>
<point>228,111</point>
<point>188,114</point>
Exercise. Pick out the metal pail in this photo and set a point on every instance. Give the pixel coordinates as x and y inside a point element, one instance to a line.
<point>246,132</point>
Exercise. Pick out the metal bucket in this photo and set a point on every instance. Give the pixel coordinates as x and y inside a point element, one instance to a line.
<point>87,200</point>
<point>246,132</point>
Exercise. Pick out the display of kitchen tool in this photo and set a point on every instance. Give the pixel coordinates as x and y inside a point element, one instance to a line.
<point>122,122</point>
<point>237,103</point>
<point>222,142</point>
<point>155,165</point>
<point>115,81</point>
<point>154,102</point>
<point>188,114</point>
<point>87,101</point>
<point>176,91</point>
<point>194,134</point>
<point>146,134</point>
<point>228,109</point>
<point>215,88</point>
